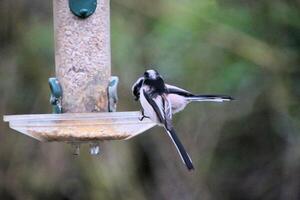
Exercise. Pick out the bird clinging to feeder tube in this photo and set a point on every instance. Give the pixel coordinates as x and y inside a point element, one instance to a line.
<point>83,93</point>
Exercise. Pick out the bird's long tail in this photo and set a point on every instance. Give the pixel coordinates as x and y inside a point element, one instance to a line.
<point>214,98</point>
<point>182,152</point>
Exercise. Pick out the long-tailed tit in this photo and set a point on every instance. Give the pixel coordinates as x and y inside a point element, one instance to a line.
<point>156,105</point>
<point>178,97</point>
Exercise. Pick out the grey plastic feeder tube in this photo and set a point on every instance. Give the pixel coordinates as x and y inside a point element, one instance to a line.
<point>83,57</point>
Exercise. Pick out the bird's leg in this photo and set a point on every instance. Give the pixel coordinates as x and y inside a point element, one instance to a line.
<point>143,116</point>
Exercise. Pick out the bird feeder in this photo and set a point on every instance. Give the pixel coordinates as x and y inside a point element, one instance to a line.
<point>83,93</point>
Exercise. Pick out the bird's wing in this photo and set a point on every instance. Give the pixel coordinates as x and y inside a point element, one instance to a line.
<point>136,88</point>
<point>167,110</point>
<point>157,107</point>
<point>172,134</point>
<point>162,107</point>
<point>171,89</point>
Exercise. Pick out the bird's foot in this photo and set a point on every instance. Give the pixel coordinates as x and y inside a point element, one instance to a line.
<point>143,116</point>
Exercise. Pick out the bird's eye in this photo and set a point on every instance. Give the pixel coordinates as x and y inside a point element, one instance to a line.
<point>146,74</point>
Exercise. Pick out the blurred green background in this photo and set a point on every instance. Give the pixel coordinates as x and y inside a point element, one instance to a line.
<point>244,150</point>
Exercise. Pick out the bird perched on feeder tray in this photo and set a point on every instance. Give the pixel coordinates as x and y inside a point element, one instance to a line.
<point>160,101</point>
<point>179,97</point>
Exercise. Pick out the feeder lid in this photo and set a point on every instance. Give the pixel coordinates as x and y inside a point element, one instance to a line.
<point>80,127</point>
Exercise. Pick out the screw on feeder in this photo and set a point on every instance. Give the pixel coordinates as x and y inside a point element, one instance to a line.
<point>76,149</point>
<point>94,149</point>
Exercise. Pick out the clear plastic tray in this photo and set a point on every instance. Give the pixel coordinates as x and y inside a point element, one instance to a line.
<point>80,127</point>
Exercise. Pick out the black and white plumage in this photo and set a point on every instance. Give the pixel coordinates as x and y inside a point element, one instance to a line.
<point>157,106</point>
<point>178,97</point>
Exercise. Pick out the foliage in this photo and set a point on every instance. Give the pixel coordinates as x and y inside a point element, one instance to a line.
<point>247,149</point>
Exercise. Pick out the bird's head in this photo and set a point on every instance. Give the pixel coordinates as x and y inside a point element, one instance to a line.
<point>153,79</point>
<point>151,74</point>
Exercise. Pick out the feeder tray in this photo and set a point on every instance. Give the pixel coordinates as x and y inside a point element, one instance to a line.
<point>80,127</point>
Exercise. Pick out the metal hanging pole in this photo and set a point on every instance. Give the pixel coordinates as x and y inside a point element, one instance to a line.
<point>83,57</point>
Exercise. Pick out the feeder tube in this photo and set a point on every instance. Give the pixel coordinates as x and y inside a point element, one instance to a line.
<point>82,57</point>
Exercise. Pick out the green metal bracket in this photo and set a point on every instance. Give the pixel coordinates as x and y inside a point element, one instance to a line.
<point>83,8</point>
<point>56,95</point>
